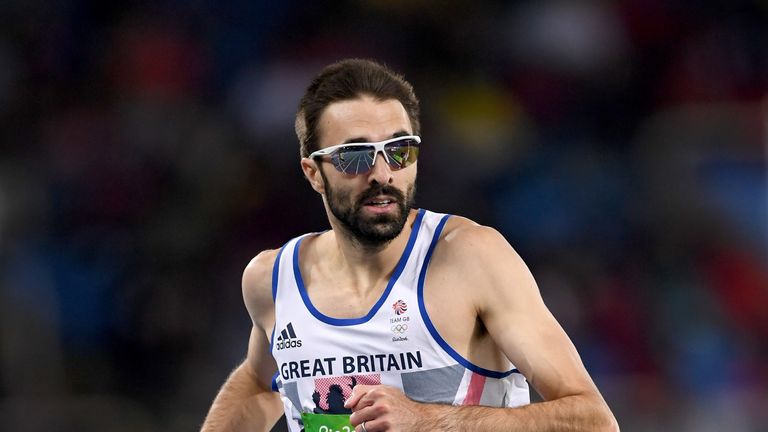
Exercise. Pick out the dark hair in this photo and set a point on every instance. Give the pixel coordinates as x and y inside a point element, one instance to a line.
<point>347,80</point>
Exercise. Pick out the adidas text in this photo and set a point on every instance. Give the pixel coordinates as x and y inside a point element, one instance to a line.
<point>290,343</point>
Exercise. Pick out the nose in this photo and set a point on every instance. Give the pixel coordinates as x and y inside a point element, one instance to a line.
<point>381,172</point>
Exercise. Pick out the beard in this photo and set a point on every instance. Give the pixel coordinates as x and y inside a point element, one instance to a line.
<point>370,231</point>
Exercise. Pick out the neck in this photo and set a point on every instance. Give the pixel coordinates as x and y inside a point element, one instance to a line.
<point>367,264</point>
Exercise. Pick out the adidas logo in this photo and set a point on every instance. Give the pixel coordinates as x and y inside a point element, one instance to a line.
<point>287,338</point>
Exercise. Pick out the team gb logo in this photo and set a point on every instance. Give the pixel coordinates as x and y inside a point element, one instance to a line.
<point>400,307</point>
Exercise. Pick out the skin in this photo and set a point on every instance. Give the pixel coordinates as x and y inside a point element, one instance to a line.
<point>502,318</point>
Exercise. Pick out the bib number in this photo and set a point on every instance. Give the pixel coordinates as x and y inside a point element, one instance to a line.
<point>326,422</point>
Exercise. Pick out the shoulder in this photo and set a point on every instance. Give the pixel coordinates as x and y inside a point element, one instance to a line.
<point>470,254</point>
<point>257,283</point>
<point>465,240</point>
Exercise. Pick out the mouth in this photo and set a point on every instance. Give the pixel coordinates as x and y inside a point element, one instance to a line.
<point>379,201</point>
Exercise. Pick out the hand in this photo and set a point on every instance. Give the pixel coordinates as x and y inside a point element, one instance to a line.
<point>383,408</point>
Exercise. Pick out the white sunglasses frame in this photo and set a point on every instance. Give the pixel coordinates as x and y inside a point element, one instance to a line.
<point>378,147</point>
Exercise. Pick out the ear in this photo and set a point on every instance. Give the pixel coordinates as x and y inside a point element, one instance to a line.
<point>312,174</point>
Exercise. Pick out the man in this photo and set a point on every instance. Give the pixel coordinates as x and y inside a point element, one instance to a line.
<point>396,319</point>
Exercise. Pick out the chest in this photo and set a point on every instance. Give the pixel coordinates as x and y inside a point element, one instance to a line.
<point>448,304</point>
<point>394,333</point>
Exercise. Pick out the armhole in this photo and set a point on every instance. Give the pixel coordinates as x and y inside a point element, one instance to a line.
<point>275,277</point>
<point>276,273</point>
<point>428,322</point>
<point>275,386</point>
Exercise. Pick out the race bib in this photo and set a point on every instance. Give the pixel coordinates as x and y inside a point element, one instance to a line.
<point>326,422</point>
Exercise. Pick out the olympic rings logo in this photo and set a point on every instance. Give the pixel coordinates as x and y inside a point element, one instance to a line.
<point>399,328</point>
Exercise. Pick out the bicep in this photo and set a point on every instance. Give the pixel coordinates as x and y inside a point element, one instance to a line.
<point>515,315</point>
<point>265,404</point>
<point>259,359</point>
<point>257,295</point>
<point>535,342</point>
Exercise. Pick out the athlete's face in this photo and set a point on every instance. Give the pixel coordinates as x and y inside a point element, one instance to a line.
<point>372,207</point>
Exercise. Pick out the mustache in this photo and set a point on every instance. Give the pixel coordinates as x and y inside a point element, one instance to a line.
<point>375,191</point>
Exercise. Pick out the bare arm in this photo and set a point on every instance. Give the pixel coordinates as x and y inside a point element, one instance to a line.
<point>246,401</point>
<point>508,302</point>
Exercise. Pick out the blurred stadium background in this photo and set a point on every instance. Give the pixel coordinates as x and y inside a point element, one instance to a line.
<point>147,153</point>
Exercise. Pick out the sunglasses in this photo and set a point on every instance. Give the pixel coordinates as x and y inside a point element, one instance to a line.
<point>358,158</point>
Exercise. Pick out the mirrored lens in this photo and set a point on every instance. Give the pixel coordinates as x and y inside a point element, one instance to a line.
<point>402,153</point>
<point>353,160</point>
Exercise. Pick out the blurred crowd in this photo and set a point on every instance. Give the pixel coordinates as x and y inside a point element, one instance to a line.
<point>147,153</point>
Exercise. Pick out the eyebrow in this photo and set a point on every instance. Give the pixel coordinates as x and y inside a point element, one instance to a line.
<point>366,140</point>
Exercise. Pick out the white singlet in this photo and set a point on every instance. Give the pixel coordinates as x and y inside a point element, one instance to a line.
<point>320,358</point>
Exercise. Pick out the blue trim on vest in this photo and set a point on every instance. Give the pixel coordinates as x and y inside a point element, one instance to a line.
<point>354,321</point>
<point>275,273</point>
<point>274,381</point>
<point>431,327</point>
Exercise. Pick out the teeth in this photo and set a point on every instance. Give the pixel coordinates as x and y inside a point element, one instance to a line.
<point>380,202</point>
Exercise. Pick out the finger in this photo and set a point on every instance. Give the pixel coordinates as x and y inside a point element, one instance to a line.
<point>358,392</point>
<point>364,414</point>
<point>365,400</point>
<point>370,426</point>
